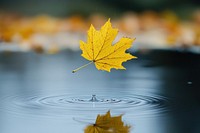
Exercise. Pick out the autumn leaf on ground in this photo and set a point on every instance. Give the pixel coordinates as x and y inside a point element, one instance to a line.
<point>99,48</point>
<point>108,124</point>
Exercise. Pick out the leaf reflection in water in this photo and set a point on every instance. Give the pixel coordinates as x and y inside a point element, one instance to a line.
<point>108,124</point>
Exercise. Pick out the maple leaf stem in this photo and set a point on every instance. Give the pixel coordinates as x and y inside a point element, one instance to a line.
<point>82,67</point>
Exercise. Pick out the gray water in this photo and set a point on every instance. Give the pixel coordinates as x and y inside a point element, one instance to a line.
<point>158,93</point>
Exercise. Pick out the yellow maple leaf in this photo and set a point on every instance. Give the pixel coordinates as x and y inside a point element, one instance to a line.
<point>100,50</point>
<point>107,124</point>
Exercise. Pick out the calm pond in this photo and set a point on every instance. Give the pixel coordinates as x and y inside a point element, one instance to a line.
<point>158,93</point>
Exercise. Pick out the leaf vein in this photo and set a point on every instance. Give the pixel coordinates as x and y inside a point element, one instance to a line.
<point>107,64</point>
<point>112,52</point>
<point>86,50</point>
<point>102,44</point>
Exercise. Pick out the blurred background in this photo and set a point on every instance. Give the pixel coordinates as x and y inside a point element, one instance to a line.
<point>39,48</point>
<point>50,26</point>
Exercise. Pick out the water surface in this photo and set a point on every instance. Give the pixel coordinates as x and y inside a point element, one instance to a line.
<point>158,93</point>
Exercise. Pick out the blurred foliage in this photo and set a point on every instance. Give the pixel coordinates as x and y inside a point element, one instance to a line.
<point>108,7</point>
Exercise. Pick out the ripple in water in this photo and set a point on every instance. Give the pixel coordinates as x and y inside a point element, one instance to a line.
<point>68,104</point>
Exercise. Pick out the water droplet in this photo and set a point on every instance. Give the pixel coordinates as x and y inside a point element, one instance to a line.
<point>94,99</point>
